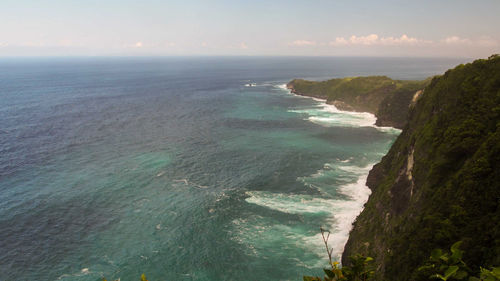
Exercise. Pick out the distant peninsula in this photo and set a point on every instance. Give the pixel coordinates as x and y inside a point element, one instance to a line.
<point>389,100</point>
<point>439,183</point>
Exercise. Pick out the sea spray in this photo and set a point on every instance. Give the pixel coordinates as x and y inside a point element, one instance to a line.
<point>329,115</point>
<point>340,212</point>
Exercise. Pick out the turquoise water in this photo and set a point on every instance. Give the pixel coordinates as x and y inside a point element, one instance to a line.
<point>181,168</point>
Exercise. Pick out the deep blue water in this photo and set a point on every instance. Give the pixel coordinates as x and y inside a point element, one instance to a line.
<point>178,168</point>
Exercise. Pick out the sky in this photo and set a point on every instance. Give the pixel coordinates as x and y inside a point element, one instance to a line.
<point>451,28</point>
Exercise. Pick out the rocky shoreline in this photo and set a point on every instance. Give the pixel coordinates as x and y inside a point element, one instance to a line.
<point>389,100</point>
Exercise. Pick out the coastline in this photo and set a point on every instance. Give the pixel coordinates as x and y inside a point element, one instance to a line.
<point>358,191</point>
<point>334,109</point>
<point>388,99</point>
<point>340,105</point>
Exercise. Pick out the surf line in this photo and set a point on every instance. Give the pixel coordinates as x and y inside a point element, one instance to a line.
<point>345,212</point>
<point>339,117</point>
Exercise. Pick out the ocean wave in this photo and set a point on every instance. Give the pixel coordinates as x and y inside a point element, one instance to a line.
<point>264,84</point>
<point>282,86</point>
<point>291,204</point>
<point>261,236</point>
<point>341,186</point>
<point>339,211</point>
<point>83,272</point>
<point>329,115</point>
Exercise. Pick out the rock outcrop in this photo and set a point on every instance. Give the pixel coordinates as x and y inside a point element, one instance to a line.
<point>440,181</point>
<point>388,99</point>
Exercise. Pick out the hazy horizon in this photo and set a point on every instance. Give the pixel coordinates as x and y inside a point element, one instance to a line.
<point>236,28</point>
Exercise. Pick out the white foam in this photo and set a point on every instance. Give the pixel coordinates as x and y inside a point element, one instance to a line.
<point>346,160</point>
<point>269,235</point>
<point>330,116</point>
<point>337,117</point>
<point>282,86</point>
<point>85,271</point>
<point>342,213</point>
<point>289,91</point>
<point>292,204</point>
<point>389,130</point>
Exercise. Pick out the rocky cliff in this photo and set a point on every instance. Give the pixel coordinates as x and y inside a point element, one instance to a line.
<point>388,99</point>
<point>440,181</point>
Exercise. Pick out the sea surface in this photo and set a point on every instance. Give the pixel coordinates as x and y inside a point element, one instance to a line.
<point>183,168</point>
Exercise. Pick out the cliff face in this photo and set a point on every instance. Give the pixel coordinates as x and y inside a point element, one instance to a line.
<point>388,99</point>
<point>440,181</point>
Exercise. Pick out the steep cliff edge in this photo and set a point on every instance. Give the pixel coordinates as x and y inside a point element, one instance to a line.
<point>440,181</point>
<point>388,99</point>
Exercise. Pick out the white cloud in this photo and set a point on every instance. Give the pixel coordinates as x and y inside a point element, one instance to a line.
<point>243,45</point>
<point>204,44</point>
<point>480,42</point>
<point>301,43</point>
<point>374,39</point>
<point>403,40</point>
<point>339,41</point>
<point>455,40</point>
<point>149,45</point>
<point>371,39</point>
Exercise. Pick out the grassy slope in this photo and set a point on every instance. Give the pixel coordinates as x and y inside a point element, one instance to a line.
<point>452,190</point>
<point>388,99</point>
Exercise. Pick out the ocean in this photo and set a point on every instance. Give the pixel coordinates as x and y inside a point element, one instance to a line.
<point>182,168</point>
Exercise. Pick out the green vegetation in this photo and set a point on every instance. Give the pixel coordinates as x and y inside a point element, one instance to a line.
<point>488,275</point>
<point>441,265</point>
<point>360,269</point>
<point>388,99</point>
<point>446,266</point>
<point>450,266</point>
<point>440,181</point>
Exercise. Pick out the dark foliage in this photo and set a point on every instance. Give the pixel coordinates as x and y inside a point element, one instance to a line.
<point>440,182</point>
<point>388,99</point>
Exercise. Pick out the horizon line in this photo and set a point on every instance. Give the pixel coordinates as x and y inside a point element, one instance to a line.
<point>238,56</point>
